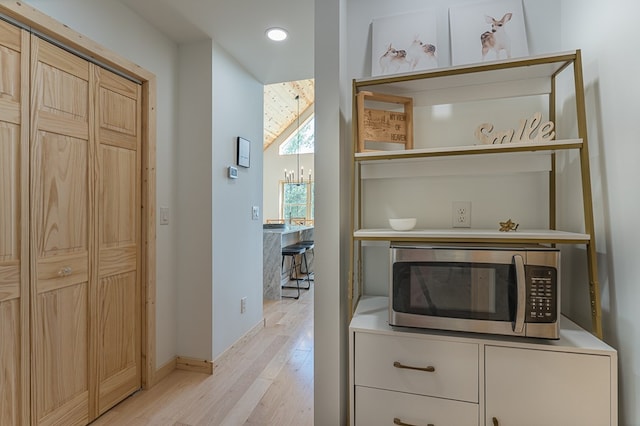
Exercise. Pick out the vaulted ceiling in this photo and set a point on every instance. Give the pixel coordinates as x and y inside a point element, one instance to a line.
<point>281,108</point>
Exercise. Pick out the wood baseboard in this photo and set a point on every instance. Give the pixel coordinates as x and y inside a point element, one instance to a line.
<point>202,365</point>
<point>194,364</point>
<point>164,371</point>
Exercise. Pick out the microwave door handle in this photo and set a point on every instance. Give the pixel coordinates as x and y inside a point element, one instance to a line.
<point>518,326</point>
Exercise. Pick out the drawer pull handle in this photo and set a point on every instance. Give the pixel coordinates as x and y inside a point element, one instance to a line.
<point>66,271</point>
<point>397,421</point>
<point>429,369</point>
<point>495,422</point>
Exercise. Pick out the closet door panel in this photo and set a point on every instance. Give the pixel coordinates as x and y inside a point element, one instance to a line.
<point>9,207</point>
<point>119,372</point>
<point>60,177</point>
<point>119,210</point>
<point>61,355</point>
<point>9,362</point>
<point>61,202</point>
<point>10,78</point>
<point>14,325</point>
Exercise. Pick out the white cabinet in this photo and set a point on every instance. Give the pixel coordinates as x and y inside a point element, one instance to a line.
<point>473,379</point>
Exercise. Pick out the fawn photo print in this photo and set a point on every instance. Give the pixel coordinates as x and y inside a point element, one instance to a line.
<point>487,31</point>
<point>404,43</point>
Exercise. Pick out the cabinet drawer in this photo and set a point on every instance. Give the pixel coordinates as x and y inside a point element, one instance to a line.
<point>380,407</point>
<point>455,366</point>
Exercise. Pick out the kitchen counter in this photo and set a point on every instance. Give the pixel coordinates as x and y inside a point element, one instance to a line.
<point>273,240</point>
<point>287,229</point>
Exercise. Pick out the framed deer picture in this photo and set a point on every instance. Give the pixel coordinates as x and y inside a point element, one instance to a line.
<point>487,31</point>
<point>404,43</point>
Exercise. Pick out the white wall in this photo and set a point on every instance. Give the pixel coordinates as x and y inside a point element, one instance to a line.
<point>331,233</point>
<point>139,42</point>
<point>195,209</point>
<point>237,239</point>
<point>607,34</point>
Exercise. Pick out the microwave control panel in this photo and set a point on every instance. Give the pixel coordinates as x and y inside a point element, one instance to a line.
<point>542,294</point>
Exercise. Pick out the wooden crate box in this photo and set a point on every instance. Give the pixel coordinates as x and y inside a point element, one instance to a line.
<point>384,126</point>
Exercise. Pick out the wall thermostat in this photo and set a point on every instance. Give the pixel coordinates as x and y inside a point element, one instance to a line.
<point>233,172</point>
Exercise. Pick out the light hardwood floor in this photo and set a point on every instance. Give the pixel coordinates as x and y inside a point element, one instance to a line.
<point>265,380</point>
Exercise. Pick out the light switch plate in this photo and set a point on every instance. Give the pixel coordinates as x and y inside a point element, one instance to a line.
<point>255,213</point>
<point>164,215</point>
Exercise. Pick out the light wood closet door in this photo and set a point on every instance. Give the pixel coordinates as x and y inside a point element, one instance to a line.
<point>14,246</point>
<point>62,200</point>
<point>118,313</point>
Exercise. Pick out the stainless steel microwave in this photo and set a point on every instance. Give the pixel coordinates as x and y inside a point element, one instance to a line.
<point>498,290</point>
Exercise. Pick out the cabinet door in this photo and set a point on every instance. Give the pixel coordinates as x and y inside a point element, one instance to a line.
<point>117,310</point>
<point>14,248</point>
<point>61,202</point>
<point>532,387</point>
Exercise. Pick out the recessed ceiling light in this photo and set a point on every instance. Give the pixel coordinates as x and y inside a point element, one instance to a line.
<point>276,34</point>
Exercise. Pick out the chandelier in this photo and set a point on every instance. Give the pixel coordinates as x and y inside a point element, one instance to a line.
<point>290,175</point>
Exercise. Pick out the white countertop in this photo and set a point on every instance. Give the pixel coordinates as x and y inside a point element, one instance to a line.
<point>287,229</point>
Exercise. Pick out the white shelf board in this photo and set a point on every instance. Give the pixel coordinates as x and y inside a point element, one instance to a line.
<point>473,235</point>
<point>522,147</point>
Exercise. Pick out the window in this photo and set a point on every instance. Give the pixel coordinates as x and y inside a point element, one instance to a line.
<point>297,198</point>
<point>305,141</point>
<point>297,201</point>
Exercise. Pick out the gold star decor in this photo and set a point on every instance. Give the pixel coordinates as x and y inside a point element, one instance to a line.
<point>509,225</point>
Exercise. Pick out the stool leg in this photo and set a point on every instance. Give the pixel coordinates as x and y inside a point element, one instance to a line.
<point>306,267</point>
<point>291,270</point>
<point>306,271</point>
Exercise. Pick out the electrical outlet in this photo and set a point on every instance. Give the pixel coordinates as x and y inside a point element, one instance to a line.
<point>461,214</point>
<point>243,305</point>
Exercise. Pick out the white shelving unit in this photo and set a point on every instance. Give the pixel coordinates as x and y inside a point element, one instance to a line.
<point>465,378</point>
<point>481,82</point>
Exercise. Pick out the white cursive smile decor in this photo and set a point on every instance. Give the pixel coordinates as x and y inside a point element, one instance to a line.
<point>530,130</point>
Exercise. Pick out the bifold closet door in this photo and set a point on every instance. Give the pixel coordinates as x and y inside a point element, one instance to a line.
<point>118,304</point>
<point>86,213</point>
<point>14,243</point>
<point>62,199</point>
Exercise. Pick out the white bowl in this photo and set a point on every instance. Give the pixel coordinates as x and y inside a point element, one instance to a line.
<point>404,224</point>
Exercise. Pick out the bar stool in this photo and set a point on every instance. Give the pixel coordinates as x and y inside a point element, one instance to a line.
<point>292,251</point>
<point>309,245</point>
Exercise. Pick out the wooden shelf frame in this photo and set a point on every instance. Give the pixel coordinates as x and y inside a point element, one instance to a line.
<point>534,75</point>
